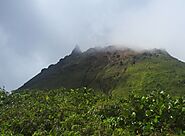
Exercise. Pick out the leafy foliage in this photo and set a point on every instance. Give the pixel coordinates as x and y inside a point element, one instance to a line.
<point>87,112</point>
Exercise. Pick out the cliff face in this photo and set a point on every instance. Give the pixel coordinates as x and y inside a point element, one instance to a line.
<point>112,69</point>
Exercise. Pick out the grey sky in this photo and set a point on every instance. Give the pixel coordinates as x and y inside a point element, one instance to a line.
<point>36,33</point>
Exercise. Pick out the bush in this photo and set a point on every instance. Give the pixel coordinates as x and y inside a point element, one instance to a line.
<point>88,112</point>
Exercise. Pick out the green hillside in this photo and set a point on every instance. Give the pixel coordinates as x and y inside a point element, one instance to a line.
<point>114,70</point>
<point>154,72</point>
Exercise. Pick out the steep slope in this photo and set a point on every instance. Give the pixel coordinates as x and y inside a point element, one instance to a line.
<point>112,69</point>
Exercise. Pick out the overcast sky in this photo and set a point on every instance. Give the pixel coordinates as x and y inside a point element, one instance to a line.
<point>36,33</point>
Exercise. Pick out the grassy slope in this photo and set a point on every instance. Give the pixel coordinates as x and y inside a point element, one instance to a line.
<point>161,72</point>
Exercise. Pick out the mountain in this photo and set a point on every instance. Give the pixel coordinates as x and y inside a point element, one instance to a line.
<point>113,69</point>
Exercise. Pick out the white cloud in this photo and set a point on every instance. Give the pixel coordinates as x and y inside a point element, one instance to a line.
<point>37,33</point>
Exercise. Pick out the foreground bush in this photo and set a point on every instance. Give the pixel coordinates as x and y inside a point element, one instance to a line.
<point>87,112</point>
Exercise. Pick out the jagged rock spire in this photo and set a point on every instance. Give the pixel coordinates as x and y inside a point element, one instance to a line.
<point>76,50</point>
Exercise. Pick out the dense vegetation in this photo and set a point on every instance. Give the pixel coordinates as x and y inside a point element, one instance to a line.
<point>87,112</point>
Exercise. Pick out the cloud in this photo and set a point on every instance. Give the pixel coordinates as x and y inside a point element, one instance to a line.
<point>159,24</point>
<point>34,34</point>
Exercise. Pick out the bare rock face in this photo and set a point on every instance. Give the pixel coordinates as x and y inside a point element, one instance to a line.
<point>76,50</point>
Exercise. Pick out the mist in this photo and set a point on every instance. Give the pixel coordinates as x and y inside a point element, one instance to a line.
<point>37,33</point>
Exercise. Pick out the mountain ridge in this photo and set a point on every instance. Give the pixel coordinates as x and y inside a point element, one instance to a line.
<point>111,69</point>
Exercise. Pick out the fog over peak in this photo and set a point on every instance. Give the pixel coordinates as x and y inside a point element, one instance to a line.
<point>34,34</point>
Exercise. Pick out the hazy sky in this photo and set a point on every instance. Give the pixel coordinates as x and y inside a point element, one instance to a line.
<point>36,33</point>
